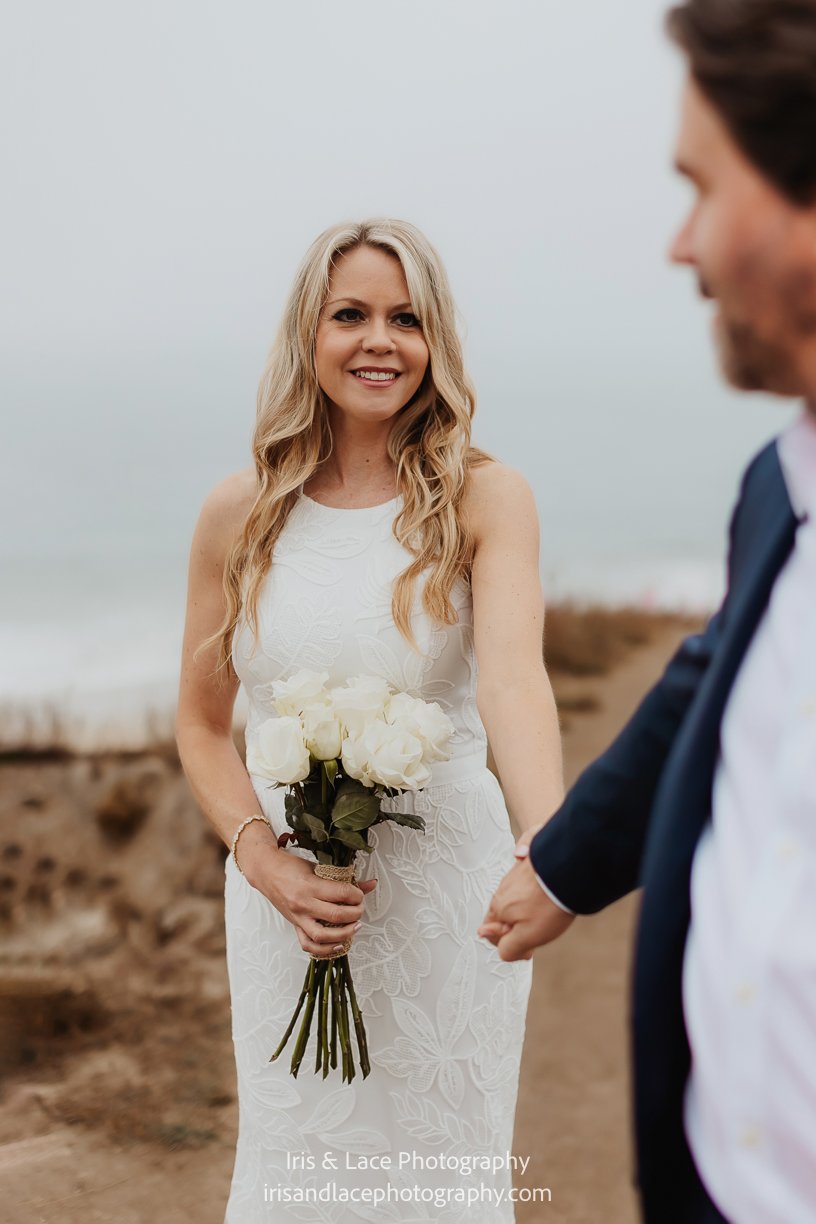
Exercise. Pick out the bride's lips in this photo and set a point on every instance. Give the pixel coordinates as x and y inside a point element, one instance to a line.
<point>375,382</point>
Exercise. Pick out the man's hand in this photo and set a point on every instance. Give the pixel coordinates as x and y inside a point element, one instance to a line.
<point>521,917</point>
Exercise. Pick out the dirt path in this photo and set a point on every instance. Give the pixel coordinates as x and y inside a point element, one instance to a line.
<point>573,1112</point>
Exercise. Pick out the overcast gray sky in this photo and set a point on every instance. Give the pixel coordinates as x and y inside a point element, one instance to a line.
<point>168,163</point>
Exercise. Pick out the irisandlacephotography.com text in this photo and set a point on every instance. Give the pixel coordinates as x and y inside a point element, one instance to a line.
<point>476,1169</point>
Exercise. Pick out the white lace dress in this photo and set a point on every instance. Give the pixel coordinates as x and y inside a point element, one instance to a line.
<point>445,1016</point>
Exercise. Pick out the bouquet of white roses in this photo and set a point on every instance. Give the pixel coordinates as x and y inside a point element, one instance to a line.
<point>340,752</point>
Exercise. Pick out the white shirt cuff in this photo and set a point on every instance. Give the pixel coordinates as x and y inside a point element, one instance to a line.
<point>551,895</point>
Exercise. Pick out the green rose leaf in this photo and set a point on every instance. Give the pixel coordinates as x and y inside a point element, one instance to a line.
<point>316,827</point>
<point>349,838</point>
<point>355,807</point>
<point>298,820</point>
<point>406,818</point>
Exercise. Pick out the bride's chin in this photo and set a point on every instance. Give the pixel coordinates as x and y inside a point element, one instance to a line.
<point>365,413</point>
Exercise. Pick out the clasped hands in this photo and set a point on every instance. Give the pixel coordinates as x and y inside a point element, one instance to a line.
<point>521,917</point>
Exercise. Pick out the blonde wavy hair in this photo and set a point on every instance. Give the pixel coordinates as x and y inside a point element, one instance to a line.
<point>429,442</point>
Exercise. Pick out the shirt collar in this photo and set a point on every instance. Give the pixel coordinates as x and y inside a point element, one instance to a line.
<point>797,455</point>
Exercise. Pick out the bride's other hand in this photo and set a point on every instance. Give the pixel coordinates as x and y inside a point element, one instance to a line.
<point>531,918</point>
<point>493,931</point>
<point>305,900</point>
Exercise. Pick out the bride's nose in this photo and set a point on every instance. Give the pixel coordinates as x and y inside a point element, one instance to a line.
<point>377,338</point>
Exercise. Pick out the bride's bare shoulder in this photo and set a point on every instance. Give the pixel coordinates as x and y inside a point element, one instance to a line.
<point>235,492</point>
<point>225,510</point>
<point>493,488</point>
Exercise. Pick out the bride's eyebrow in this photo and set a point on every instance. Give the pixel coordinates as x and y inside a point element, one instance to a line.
<point>351,301</point>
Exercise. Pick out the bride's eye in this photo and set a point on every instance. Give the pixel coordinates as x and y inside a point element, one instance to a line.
<point>348,314</point>
<point>407,320</point>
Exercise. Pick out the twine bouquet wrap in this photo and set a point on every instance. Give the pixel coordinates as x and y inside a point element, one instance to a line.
<point>340,752</point>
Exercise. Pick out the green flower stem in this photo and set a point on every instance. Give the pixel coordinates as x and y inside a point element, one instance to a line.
<point>328,987</point>
<point>344,1002</point>
<point>303,1035</point>
<point>320,973</point>
<point>342,1021</point>
<point>359,1026</point>
<point>323,1044</point>
<point>333,1018</point>
<point>295,1015</point>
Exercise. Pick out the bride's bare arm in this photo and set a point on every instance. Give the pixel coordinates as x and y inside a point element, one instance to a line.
<point>514,695</point>
<point>211,762</point>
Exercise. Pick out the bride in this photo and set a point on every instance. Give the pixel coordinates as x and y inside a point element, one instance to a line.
<point>369,537</point>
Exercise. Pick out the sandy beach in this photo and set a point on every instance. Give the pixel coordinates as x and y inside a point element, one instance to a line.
<point>118,1097</point>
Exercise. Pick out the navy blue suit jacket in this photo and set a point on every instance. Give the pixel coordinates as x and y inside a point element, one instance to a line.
<point>634,818</point>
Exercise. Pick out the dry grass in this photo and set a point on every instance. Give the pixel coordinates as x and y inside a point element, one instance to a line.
<point>114,1010</point>
<point>154,1080</point>
<point>126,802</point>
<point>579,641</point>
<point>39,1006</point>
<point>56,746</point>
<point>590,641</point>
<point>578,703</point>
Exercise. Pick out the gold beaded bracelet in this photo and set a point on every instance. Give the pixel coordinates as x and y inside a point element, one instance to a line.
<point>238,833</point>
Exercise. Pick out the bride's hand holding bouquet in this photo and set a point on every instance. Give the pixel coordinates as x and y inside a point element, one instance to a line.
<point>340,752</point>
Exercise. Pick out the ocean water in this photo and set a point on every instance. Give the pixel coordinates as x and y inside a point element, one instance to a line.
<point>90,650</point>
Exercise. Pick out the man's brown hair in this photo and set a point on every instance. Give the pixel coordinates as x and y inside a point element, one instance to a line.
<point>755,61</point>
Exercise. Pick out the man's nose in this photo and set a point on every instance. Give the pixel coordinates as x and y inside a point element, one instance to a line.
<point>681,250</point>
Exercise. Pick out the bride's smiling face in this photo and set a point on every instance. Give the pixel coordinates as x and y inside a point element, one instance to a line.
<point>370,352</point>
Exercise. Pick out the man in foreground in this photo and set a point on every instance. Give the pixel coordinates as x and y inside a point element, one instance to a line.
<point>708,797</point>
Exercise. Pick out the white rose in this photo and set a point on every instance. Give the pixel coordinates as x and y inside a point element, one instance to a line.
<point>355,760</point>
<point>362,699</point>
<point>386,755</point>
<point>278,751</point>
<point>290,697</point>
<point>424,719</point>
<point>322,732</point>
